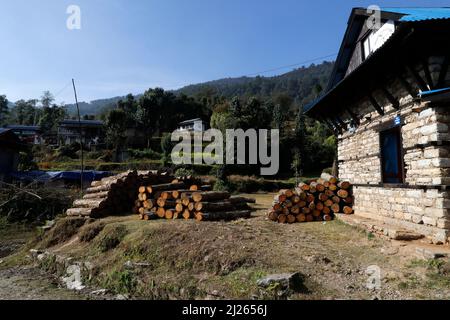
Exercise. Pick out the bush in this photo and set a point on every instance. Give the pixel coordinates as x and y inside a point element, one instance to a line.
<point>184,172</point>
<point>36,204</point>
<point>144,154</point>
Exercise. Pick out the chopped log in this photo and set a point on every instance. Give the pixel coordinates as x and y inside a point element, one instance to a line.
<point>304,186</point>
<point>223,215</point>
<point>98,195</point>
<point>326,210</point>
<point>336,199</point>
<point>310,198</point>
<point>85,212</point>
<point>87,203</point>
<point>167,187</point>
<point>327,217</point>
<point>273,216</point>
<point>306,210</point>
<point>187,215</point>
<point>302,204</point>
<point>185,201</point>
<point>285,211</point>
<point>295,210</point>
<point>213,206</point>
<point>288,204</point>
<point>210,196</point>
<point>319,206</point>
<point>169,214</point>
<point>342,193</point>
<point>291,219</point>
<point>301,218</point>
<point>282,218</point>
<point>344,185</point>
<point>166,195</point>
<point>193,188</point>
<point>280,198</point>
<point>142,189</point>
<point>148,204</point>
<point>332,187</point>
<point>328,203</point>
<point>329,178</point>
<point>323,197</point>
<point>191,206</point>
<point>335,208</point>
<point>161,212</point>
<point>347,210</point>
<point>179,207</point>
<point>149,215</point>
<point>309,218</point>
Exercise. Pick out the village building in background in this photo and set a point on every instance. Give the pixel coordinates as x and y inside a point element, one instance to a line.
<point>10,147</point>
<point>388,102</point>
<point>92,131</point>
<point>193,125</point>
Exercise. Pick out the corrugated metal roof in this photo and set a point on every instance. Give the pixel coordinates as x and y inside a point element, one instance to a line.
<point>420,14</point>
<point>3,130</point>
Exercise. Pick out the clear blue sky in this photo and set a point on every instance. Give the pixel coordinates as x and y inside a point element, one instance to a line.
<point>130,45</point>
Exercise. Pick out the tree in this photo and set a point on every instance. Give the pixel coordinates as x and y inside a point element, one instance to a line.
<point>116,127</point>
<point>4,111</point>
<point>47,99</point>
<point>50,117</point>
<point>24,112</point>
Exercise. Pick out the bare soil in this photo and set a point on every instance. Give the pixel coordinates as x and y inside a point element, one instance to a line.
<point>218,260</point>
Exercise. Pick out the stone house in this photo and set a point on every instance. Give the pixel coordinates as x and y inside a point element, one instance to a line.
<point>388,102</point>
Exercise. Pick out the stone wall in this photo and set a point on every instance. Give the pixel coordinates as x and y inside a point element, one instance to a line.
<point>424,132</point>
<point>423,211</point>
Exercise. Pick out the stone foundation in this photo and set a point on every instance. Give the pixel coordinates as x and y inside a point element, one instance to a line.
<point>423,211</point>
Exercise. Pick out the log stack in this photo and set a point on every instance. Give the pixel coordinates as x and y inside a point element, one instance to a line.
<point>317,200</point>
<point>179,200</point>
<point>114,195</point>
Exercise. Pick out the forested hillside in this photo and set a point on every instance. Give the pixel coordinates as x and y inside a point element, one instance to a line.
<point>299,83</point>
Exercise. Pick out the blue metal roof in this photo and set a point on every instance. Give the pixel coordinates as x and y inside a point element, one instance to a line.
<point>420,14</point>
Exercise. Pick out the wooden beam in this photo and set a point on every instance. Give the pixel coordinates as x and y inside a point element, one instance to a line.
<point>336,125</point>
<point>341,123</point>
<point>420,82</point>
<point>329,125</point>
<point>352,115</point>
<point>426,70</point>
<point>443,73</point>
<point>391,98</point>
<point>375,105</point>
<point>407,85</point>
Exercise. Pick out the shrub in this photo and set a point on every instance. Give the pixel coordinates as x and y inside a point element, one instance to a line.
<point>144,154</point>
<point>110,238</point>
<point>184,172</point>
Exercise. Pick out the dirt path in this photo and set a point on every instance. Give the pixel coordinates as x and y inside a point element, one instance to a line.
<point>29,283</point>
<point>224,260</point>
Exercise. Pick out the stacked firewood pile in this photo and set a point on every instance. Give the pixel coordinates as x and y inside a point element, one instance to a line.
<point>114,195</point>
<point>318,200</point>
<point>185,199</point>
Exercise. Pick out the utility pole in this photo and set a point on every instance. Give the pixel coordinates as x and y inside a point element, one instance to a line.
<point>81,135</point>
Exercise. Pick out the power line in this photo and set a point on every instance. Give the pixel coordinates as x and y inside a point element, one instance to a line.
<point>291,65</point>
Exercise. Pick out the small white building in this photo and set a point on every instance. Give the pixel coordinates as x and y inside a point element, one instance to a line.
<point>196,125</point>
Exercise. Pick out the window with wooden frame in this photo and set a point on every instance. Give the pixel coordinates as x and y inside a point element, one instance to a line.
<point>392,165</point>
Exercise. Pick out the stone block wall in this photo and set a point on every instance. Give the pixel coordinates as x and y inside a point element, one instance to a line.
<point>425,135</point>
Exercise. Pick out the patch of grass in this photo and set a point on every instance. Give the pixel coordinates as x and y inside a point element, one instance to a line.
<point>89,232</point>
<point>111,237</point>
<point>122,281</point>
<point>63,230</point>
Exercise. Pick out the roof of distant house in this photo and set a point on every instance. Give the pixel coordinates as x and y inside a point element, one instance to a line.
<point>190,121</point>
<point>22,127</point>
<point>84,123</point>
